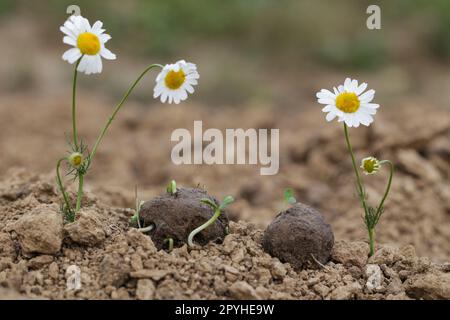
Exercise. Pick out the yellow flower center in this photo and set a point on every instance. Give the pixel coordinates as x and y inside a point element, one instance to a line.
<point>174,80</point>
<point>347,102</point>
<point>88,43</point>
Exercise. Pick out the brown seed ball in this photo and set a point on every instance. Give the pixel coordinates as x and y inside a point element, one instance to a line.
<point>176,216</point>
<point>298,234</point>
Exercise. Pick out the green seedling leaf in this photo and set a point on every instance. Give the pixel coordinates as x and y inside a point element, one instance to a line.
<point>226,201</point>
<point>172,187</point>
<point>289,196</point>
<point>209,202</point>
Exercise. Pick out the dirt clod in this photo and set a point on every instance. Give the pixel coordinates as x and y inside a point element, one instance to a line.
<point>299,236</point>
<point>175,216</point>
<point>40,231</point>
<point>348,254</point>
<point>87,229</point>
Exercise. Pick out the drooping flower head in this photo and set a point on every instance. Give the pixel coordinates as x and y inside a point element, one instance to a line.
<point>370,165</point>
<point>88,42</point>
<point>350,103</point>
<point>76,159</point>
<point>175,81</point>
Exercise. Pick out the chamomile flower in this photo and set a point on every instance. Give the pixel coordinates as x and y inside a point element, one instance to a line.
<point>175,81</point>
<point>88,44</point>
<point>370,165</point>
<point>350,103</point>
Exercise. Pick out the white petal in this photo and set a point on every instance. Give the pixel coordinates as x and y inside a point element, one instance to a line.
<point>371,105</point>
<point>347,84</point>
<point>105,53</point>
<point>328,108</point>
<point>341,89</point>
<point>368,110</point>
<point>368,95</point>
<point>72,55</point>
<point>330,116</point>
<point>326,101</point>
<point>70,41</point>
<point>361,88</point>
<point>325,94</point>
<point>104,38</point>
<point>97,27</point>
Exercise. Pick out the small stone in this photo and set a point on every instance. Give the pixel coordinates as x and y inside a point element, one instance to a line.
<point>385,255</point>
<point>321,290</point>
<point>145,289</point>
<point>241,290</point>
<point>374,277</point>
<point>299,236</point>
<point>278,270</point>
<point>136,262</point>
<point>114,270</point>
<point>155,275</point>
<point>39,262</point>
<point>87,230</point>
<point>346,292</point>
<point>136,238</point>
<point>40,231</point>
<point>350,253</point>
<point>53,270</point>
<point>429,286</point>
<point>7,246</point>
<point>231,273</point>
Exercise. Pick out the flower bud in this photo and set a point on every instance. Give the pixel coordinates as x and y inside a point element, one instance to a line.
<point>370,165</point>
<point>76,159</point>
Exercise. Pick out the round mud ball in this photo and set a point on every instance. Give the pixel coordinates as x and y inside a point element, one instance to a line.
<point>177,215</point>
<point>299,236</point>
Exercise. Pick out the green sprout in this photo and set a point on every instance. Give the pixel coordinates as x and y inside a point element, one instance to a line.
<point>217,211</point>
<point>170,243</point>
<point>289,196</point>
<point>172,187</point>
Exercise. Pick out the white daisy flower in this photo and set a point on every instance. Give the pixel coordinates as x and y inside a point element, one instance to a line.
<point>88,42</point>
<point>175,81</point>
<point>349,103</point>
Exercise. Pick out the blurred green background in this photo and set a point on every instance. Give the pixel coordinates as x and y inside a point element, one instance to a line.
<point>251,50</point>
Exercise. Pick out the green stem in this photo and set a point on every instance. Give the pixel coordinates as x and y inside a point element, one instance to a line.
<point>371,241</point>
<point>388,188</point>
<point>358,177</point>
<point>61,185</point>
<point>74,117</point>
<point>116,110</point>
<point>216,215</point>
<point>80,192</point>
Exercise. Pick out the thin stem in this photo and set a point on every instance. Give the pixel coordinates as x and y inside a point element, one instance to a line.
<point>80,192</point>
<point>371,241</point>
<point>358,177</point>
<point>203,226</point>
<point>61,185</point>
<point>388,188</point>
<point>116,110</point>
<point>74,117</point>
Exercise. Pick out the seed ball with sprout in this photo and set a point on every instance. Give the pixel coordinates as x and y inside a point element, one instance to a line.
<point>175,215</point>
<point>300,236</point>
